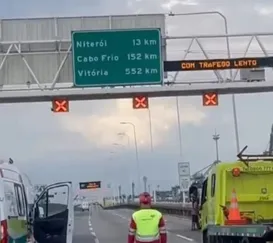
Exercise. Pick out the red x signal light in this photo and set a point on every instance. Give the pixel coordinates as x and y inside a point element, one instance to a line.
<point>60,105</point>
<point>140,102</point>
<point>210,99</point>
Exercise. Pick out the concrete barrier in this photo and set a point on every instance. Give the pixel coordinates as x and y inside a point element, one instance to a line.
<point>56,207</point>
<point>53,207</point>
<point>170,208</point>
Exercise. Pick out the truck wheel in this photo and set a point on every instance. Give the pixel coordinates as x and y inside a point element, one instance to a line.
<point>205,237</point>
<point>225,239</point>
<point>252,240</point>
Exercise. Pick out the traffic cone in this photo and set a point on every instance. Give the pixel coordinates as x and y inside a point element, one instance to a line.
<point>234,217</point>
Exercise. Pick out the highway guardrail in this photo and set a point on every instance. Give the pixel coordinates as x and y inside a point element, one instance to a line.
<point>170,207</point>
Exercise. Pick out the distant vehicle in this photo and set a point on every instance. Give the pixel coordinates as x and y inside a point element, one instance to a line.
<point>85,206</point>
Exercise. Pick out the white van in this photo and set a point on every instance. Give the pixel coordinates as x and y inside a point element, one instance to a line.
<point>13,204</point>
<point>85,206</point>
<point>14,210</point>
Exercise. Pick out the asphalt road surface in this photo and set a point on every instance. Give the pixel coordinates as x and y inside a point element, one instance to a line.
<point>111,226</point>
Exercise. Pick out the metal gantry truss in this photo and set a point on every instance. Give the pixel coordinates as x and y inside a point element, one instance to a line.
<point>23,50</point>
<point>58,82</point>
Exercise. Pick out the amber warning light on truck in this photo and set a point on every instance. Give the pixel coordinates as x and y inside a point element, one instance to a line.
<point>214,64</point>
<point>236,172</point>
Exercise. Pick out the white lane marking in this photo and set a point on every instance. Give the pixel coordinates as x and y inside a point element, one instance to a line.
<point>184,237</point>
<point>121,216</point>
<point>92,232</point>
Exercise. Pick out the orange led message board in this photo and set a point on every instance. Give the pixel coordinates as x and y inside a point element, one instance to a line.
<point>90,185</point>
<point>218,64</point>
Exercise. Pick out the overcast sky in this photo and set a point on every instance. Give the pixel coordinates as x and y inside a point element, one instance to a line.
<point>78,146</point>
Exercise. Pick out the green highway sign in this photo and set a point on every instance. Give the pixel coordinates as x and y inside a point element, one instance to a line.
<point>117,57</point>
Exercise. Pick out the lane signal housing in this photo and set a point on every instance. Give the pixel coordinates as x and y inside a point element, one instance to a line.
<point>210,99</point>
<point>60,105</point>
<point>140,102</point>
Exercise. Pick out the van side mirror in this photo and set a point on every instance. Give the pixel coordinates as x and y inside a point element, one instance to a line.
<point>41,212</point>
<point>36,212</point>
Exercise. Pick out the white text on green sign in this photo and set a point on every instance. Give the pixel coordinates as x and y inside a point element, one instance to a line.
<point>117,57</point>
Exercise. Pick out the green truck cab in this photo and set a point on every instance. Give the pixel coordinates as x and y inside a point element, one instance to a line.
<point>252,179</point>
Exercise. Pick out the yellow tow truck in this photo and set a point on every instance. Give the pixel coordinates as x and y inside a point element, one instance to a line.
<point>251,177</point>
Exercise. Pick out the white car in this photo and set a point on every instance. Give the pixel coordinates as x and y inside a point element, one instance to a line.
<point>85,206</point>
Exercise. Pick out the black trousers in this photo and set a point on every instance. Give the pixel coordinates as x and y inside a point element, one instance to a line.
<point>195,222</point>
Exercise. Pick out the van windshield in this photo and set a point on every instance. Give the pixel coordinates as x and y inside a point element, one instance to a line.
<point>11,200</point>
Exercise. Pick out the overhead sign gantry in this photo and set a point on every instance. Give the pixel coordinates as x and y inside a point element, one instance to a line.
<point>106,51</point>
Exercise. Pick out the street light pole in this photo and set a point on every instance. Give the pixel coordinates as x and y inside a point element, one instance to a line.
<point>145,179</point>
<point>179,128</point>
<point>151,131</point>
<point>119,193</point>
<point>136,148</point>
<point>133,191</point>
<point>216,137</point>
<point>230,71</point>
<point>155,192</point>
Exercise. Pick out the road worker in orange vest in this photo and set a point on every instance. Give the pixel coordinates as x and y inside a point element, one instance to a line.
<point>147,225</point>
